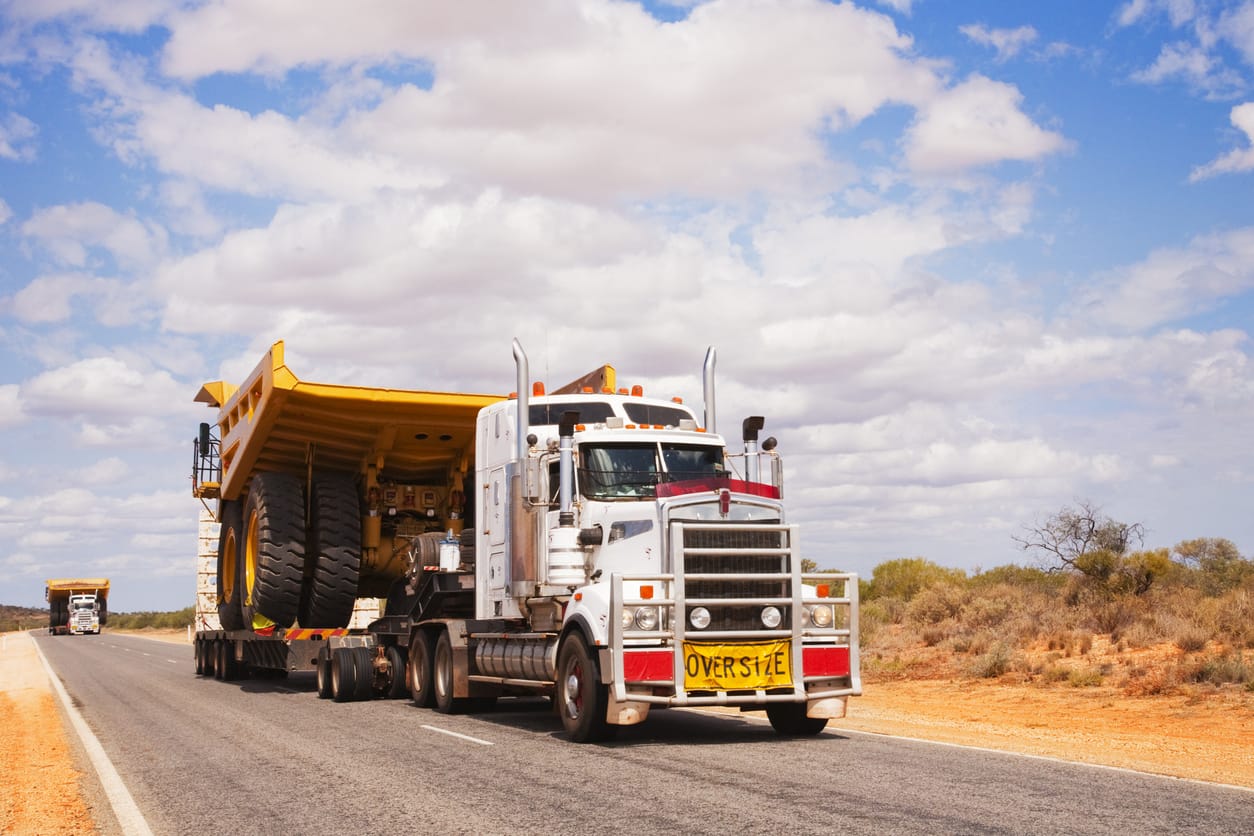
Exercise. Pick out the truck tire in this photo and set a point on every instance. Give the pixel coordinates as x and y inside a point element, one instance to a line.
<point>397,684</point>
<point>365,673</point>
<point>343,674</point>
<point>198,654</point>
<point>581,697</point>
<point>207,657</point>
<point>324,674</point>
<point>789,719</point>
<point>274,549</point>
<point>442,677</point>
<point>421,689</point>
<point>333,551</point>
<point>229,541</point>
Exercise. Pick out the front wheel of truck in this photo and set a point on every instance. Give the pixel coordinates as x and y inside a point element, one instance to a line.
<point>789,719</point>
<point>581,696</point>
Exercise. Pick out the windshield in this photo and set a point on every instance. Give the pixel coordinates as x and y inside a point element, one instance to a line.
<point>633,471</point>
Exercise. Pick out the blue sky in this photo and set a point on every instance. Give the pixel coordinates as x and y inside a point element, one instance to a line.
<point>974,261</point>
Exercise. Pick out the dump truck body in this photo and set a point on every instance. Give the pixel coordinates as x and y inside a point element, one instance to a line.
<point>77,605</point>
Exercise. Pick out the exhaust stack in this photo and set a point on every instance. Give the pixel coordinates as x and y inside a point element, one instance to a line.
<point>707,378</point>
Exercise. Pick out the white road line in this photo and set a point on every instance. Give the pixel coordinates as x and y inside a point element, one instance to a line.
<point>462,736</point>
<point>124,808</point>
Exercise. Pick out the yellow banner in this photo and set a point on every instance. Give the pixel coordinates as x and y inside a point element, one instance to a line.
<point>737,667</point>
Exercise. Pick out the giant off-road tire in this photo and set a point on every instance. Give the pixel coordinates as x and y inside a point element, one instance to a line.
<point>230,538</point>
<point>273,561</point>
<point>333,552</point>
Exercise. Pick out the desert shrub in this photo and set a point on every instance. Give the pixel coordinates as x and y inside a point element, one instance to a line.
<point>1020,577</point>
<point>907,576</point>
<point>1222,669</point>
<point>1213,564</point>
<point>1084,677</point>
<point>177,620</point>
<point>1234,616</point>
<point>935,604</point>
<point>998,660</point>
<point>992,605</point>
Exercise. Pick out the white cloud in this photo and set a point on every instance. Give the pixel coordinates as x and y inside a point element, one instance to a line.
<point>11,413</point>
<point>103,472</point>
<point>976,123</point>
<point>1007,42</point>
<point>1239,159</point>
<point>70,232</point>
<point>122,15</point>
<point>1173,283</point>
<point>102,386</point>
<point>5,212</point>
<point>17,134</point>
<point>51,298</point>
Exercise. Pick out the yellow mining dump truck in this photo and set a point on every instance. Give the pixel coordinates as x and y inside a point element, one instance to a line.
<point>77,605</point>
<point>323,490</point>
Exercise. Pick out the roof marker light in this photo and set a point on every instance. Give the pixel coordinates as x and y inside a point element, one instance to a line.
<point>637,391</point>
<point>677,399</point>
<point>537,389</point>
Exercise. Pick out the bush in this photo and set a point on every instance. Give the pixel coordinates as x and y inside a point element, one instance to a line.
<point>1000,659</point>
<point>935,604</point>
<point>906,577</point>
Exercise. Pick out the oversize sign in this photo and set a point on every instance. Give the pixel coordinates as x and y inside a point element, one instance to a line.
<point>737,667</point>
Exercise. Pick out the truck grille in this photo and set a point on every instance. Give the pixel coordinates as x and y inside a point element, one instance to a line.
<point>711,551</point>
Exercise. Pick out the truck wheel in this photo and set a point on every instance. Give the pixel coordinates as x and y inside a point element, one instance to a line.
<point>207,657</point>
<point>789,719</point>
<point>334,551</point>
<point>365,673</point>
<point>199,655</point>
<point>442,677</point>
<point>397,684</point>
<point>219,660</point>
<point>421,688</point>
<point>581,697</point>
<point>229,541</point>
<point>274,548</point>
<point>324,674</point>
<point>343,674</point>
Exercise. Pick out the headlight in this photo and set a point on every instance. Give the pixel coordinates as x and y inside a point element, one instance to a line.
<point>699,618</point>
<point>628,618</point>
<point>821,616</point>
<point>771,617</point>
<point>646,618</point>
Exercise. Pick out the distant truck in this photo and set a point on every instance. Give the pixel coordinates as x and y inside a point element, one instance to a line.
<point>77,605</point>
<point>589,544</point>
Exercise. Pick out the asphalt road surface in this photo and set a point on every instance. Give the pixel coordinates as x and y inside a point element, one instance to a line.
<point>267,756</point>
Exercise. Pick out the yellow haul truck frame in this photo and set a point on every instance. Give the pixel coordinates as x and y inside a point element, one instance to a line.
<point>324,489</point>
<point>77,605</point>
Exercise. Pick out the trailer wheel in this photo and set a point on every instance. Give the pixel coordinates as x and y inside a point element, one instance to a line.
<point>442,677</point>
<point>219,660</point>
<point>397,684</point>
<point>207,651</point>
<point>333,551</point>
<point>274,548</point>
<point>343,674</point>
<point>229,542</point>
<point>419,671</point>
<point>324,674</point>
<point>365,673</point>
<point>198,654</point>
<point>789,719</point>
<point>581,697</point>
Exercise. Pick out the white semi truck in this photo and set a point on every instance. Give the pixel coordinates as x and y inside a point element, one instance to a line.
<point>593,545</point>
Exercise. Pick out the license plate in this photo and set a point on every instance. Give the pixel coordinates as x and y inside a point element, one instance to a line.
<point>737,667</point>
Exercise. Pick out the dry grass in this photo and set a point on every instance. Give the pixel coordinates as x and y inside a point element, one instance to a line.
<point>1173,640</point>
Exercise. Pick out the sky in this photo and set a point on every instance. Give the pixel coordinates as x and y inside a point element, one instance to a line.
<point>973,261</point>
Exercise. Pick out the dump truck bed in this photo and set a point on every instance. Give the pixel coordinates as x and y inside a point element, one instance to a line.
<point>277,422</point>
<point>63,588</point>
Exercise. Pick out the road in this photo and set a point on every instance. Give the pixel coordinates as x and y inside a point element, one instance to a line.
<point>267,756</point>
